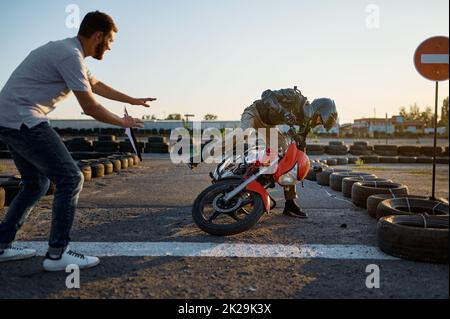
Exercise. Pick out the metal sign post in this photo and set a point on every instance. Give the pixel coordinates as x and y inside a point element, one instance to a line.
<point>431,61</point>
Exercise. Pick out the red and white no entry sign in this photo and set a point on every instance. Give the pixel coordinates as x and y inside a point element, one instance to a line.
<point>431,59</point>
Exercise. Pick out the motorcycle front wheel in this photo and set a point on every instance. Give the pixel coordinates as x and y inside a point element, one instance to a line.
<point>212,215</point>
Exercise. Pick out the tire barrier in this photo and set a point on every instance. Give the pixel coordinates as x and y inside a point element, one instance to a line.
<point>424,160</point>
<point>107,138</point>
<point>315,149</point>
<point>337,177</point>
<point>128,147</point>
<point>323,178</point>
<point>79,145</point>
<point>347,183</point>
<point>386,150</point>
<point>409,151</point>
<point>85,168</point>
<point>342,161</point>
<point>117,164</point>
<point>108,147</point>
<point>361,148</point>
<point>352,160</point>
<point>331,162</point>
<point>315,168</point>
<point>416,237</point>
<point>388,159</point>
<point>370,159</point>
<point>336,149</point>
<point>442,160</point>
<point>98,170</point>
<point>362,190</point>
<point>407,160</point>
<point>374,200</point>
<point>429,151</point>
<point>411,206</point>
<point>108,166</point>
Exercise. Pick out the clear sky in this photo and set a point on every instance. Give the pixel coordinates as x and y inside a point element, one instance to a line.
<point>218,56</point>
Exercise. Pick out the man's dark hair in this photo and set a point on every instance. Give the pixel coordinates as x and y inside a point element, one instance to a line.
<point>95,22</point>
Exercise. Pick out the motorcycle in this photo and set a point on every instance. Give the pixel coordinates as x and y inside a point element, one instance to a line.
<point>239,197</point>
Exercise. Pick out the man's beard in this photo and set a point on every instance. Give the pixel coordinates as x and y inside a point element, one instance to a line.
<point>99,51</point>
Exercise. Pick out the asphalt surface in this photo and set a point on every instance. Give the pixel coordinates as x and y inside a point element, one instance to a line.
<point>152,203</point>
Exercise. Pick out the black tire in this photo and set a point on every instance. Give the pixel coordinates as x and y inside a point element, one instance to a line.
<point>107,138</point>
<point>2,197</point>
<point>429,151</point>
<point>386,153</point>
<point>117,164</point>
<point>323,178</point>
<point>442,160</point>
<point>362,190</point>
<point>336,150</point>
<point>348,182</point>
<point>374,200</point>
<point>406,237</point>
<point>98,170</point>
<point>157,139</point>
<point>336,143</point>
<point>337,177</point>
<point>331,162</point>
<point>361,143</point>
<point>370,159</point>
<point>108,166</point>
<point>409,151</point>
<point>407,160</point>
<point>86,170</point>
<point>226,229</point>
<point>411,206</point>
<point>352,160</point>
<point>342,160</point>
<point>388,159</point>
<point>424,160</point>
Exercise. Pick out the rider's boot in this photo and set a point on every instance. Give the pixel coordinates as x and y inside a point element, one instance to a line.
<point>292,209</point>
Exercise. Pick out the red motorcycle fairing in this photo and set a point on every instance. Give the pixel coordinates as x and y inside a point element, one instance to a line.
<point>293,156</point>
<point>259,189</point>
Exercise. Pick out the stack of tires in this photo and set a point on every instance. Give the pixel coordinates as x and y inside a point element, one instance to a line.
<point>79,145</point>
<point>106,144</point>
<point>408,154</point>
<point>127,147</point>
<point>387,153</point>
<point>336,148</point>
<point>315,149</point>
<point>361,148</point>
<point>157,144</point>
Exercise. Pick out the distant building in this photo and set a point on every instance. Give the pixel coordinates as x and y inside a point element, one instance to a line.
<point>370,127</point>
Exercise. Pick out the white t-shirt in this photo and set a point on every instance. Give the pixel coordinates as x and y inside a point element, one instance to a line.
<point>46,77</point>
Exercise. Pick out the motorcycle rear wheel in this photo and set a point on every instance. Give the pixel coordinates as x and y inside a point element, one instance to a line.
<point>244,217</point>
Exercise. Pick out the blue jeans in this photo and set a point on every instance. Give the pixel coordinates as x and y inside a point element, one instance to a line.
<point>41,156</point>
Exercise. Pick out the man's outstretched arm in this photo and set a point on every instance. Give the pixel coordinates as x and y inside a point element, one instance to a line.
<point>108,92</point>
<point>94,109</point>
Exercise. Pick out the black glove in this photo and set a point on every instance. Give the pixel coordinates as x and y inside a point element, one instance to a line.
<point>291,119</point>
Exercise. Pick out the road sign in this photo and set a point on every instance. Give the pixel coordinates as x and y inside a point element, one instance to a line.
<point>431,59</point>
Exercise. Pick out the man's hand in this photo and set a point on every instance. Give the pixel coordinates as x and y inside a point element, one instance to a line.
<point>142,101</point>
<point>130,122</point>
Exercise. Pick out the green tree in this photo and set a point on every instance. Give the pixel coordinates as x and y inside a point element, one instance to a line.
<point>174,117</point>
<point>444,113</point>
<point>149,117</point>
<point>210,117</point>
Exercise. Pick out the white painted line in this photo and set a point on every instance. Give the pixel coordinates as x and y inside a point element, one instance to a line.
<point>434,58</point>
<point>180,249</point>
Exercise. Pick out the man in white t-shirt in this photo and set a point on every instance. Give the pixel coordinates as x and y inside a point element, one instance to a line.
<point>46,76</point>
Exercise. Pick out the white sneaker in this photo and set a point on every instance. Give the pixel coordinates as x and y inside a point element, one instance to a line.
<point>69,257</point>
<point>14,253</point>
